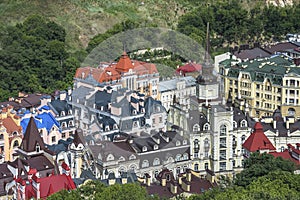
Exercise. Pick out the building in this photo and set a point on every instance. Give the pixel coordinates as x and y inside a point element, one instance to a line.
<point>257,142</point>
<point>126,73</point>
<point>263,85</point>
<point>168,185</point>
<point>189,69</point>
<point>106,112</point>
<point>10,133</point>
<point>177,91</point>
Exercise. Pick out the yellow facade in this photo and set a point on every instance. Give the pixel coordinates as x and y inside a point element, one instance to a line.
<point>261,92</point>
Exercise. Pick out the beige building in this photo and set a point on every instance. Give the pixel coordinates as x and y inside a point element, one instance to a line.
<point>261,86</point>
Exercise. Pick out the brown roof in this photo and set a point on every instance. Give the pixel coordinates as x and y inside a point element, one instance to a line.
<point>280,47</point>
<point>32,137</point>
<point>78,137</point>
<point>11,126</point>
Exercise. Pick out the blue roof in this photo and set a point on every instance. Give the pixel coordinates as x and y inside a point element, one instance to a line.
<point>44,120</point>
<point>44,108</point>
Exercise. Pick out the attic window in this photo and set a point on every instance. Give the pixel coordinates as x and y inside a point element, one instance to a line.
<point>206,127</point>
<point>135,124</point>
<point>143,110</point>
<point>64,125</point>
<point>244,123</point>
<point>71,123</point>
<point>70,112</point>
<point>106,128</point>
<point>132,157</point>
<point>110,157</point>
<point>62,113</point>
<point>37,148</point>
<point>177,143</point>
<point>184,142</point>
<point>134,112</point>
<point>196,128</point>
<point>155,147</point>
<point>115,126</point>
<point>122,159</point>
<point>144,148</point>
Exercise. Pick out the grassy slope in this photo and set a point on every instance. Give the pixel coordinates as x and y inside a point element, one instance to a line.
<point>85,18</point>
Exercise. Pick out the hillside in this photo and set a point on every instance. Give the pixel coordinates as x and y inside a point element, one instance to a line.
<point>84,19</point>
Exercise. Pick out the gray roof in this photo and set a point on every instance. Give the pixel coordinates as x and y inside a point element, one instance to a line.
<point>252,53</point>
<point>170,85</point>
<point>196,117</point>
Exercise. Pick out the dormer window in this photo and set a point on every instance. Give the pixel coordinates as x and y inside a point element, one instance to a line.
<point>70,112</point>
<point>62,113</point>
<point>134,112</point>
<point>196,128</point>
<point>234,124</point>
<point>144,148</point>
<point>184,142</point>
<point>110,157</point>
<point>115,126</point>
<point>64,125</point>
<point>244,123</point>
<point>143,110</point>
<point>16,143</point>
<point>102,108</point>
<point>132,157</point>
<point>155,147</point>
<point>135,124</point>
<point>156,162</point>
<point>37,148</point>
<point>106,128</point>
<point>177,143</point>
<point>71,123</point>
<point>121,158</point>
<point>206,127</point>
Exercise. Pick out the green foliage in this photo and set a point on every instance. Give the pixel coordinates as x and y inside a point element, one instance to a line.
<point>259,165</point>
<point>97,190</point>
<point>233,23</point>
<point>33,58</point>
<point>264,178</point>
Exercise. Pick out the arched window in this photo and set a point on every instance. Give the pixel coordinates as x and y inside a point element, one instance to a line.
<point>156,162</point>
<point>37,148</point>
<point>244,123</point>
<point>144,148</point>
<point>223,129</point>
<point>196,128</point>
<point>16,143</point>
<point>234,124</point>
<point>282,148</point>
<point>177,143</point>
<point>206,127</point>
<point>185,156</point>
<point>155,147</point>
<point>291,112</point>
<point>110,157</point>
<point>243,138</point>
<point>145,164</point>
<point>178,157</point>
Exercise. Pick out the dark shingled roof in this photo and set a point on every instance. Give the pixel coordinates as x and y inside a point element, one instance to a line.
<point>31,138</point>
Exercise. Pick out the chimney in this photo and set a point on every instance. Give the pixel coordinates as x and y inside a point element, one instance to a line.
<point>62,95</point>
<point>189,175</point>
<point>163,181</point>
<point>124,178</point>
<point>173,188</point>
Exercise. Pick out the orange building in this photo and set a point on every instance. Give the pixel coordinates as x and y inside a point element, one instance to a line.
<point>10,133</point>
<point>132,74</point>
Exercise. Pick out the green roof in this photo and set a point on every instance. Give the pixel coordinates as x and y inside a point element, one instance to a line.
<point>273,68</point>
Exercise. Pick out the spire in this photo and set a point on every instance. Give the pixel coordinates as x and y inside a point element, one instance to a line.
<point>207,52</point>
<point>32,138</point>
<point>207,70</point>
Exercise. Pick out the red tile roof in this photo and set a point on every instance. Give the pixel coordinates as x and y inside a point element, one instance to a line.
<point>258,140</point>
<point>11,125</point>
<point>285,155</point>
<point>189,67</point>
<point>113,71</point>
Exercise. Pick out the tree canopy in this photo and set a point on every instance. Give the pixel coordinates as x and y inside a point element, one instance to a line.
<point>33,58</point>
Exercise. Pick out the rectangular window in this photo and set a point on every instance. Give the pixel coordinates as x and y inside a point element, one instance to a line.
<point>63,135</point>
<point>53,139</point>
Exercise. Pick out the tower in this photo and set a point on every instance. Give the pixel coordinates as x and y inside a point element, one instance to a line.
<point>207,85</point>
